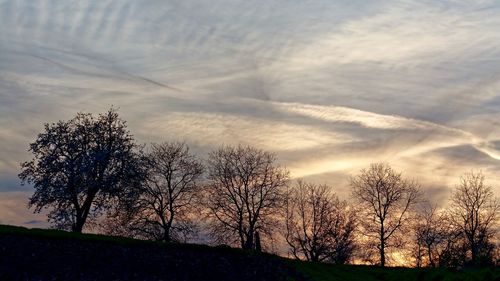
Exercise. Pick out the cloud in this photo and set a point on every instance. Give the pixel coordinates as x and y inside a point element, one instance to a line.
<point>215,129</point>
<point>350,115</point>
<point>330,86</point>
<point>13,207</point>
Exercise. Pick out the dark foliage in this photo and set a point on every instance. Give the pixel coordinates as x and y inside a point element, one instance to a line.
<point>79,166</point>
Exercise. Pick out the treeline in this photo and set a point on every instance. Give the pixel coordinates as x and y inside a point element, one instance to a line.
<point>89,172</point>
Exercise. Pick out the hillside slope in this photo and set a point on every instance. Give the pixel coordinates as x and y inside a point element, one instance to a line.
<point>36,254</point>
<point>56,255</point>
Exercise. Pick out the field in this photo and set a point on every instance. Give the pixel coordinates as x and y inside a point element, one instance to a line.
<point>39,254</point>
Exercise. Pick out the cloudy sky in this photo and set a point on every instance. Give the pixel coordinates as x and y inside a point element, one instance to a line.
<point>330,86</point>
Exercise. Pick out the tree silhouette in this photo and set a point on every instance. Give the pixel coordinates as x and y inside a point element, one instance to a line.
<point>245,191</point>
<point>386,199</point>
<point>319,227</point>
<point>163,210</point>
<point>432,234</point>
<point>79,166</point>
<point>474,211</point>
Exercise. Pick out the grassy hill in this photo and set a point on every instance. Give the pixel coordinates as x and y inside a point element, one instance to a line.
<point>38,254</point>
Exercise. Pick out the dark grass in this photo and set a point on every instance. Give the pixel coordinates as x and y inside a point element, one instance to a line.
<point>311,271</point>
<point>41,254</point>
<point>329,272</point>
<point>54,234</point>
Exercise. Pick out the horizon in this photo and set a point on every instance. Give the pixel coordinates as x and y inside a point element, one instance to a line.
<point>330,87</point>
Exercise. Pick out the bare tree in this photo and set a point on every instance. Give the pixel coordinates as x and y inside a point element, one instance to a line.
<point>245,191</point>
<point>474,210</point>
<point>164,209</point>
<point>79,166</point>
<point>386,199</point>
<point>451,251</point>
<point>319,227</point>
<point>431,236</point>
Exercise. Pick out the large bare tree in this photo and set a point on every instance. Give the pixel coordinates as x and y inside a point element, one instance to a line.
<point>245,190</point>
<point>79,166</point>
<point>168,196</point>
<point>474,210</point>
<point>319,226</point>
<point>386,199</point>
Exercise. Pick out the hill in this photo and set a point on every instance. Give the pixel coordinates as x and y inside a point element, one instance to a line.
<point>36,254</point>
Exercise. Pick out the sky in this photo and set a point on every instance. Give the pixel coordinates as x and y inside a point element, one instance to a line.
<point>329,86</point>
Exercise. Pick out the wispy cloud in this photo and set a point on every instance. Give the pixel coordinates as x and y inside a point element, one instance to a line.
<point>210,129</point>
<point>14,210</point>
<point>329,85</point>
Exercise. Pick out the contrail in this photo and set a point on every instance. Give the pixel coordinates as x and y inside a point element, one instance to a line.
<point>134,77</point>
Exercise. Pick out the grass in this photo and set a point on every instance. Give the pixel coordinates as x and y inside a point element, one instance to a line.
<point>329,272</point>
<point>315,271</point>
<point>55,234</point>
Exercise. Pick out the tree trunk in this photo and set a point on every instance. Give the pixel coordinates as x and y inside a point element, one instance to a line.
<point>258,247</point>
<point>419,256</point>
<point>429,254</point>
<point>382,246</point>
<point>473,253</point>
<point>382,254</point>
<point>248,245</point>
<point>81,216</point>
<point>166,234</point>
<point>168,226</point>
<point>78,226</point>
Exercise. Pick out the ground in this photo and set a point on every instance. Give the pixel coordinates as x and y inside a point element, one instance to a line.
<point>35,254</point>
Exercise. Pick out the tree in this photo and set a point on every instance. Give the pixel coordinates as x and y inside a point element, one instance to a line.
<point>319,227</point>
<point>386,199</point>
<point>164,208</point>
<point>451,252</point>
<point>244,192</point>
<point>474,211</point>
<point>431,236</point>
<point>79,166</point>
